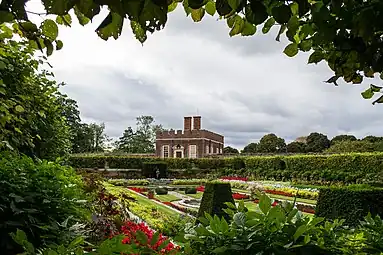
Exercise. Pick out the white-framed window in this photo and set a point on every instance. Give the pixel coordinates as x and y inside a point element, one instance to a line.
<point>192,151</point>
<point>165,151</point>
<point>207,149</point>
<point>217,150</point>
<point>220,150</point>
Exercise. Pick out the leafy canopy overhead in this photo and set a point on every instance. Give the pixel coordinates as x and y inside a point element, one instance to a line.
<point>347,34</point>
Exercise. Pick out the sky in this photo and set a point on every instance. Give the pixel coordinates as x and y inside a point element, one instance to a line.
<point>243,87</point>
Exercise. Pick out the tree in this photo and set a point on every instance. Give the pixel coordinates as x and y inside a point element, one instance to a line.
<point>296,147</point>
<point>89,138</point>
<point>344,33</point>
<point>373,139</point>
<point>271,143</point>
<point>341,138</point>
<point>352,146</point>
<point>230,150</point>
<point>317,142</point>
<point>250,148</point>
<point>141,140</point>
<point>31,109</point>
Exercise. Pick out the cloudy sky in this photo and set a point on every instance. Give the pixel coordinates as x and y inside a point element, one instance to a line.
<point>243,87</point>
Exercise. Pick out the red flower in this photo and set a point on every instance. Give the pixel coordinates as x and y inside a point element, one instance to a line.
<point>201,189</point>
<point>239,196</point>
<point>139,190</point>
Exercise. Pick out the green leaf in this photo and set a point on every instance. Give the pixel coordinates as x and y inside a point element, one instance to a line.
<point>19,108</point>
<point>291,50</point>
<point>375,88</point>
<point>139,33</point>
<point>6,16</point>
<point>82,19</point>
<point>65,20</point>
<point>49,29</point>
<point>248,29</point>
<point>234,3</point>
<point>172,6</point>
<point>59,44</point>
<point>316,57</point>
<point>221,249</point>
<point>294,6</point>
<point>265,204</point>
<point>238,26</point>
<point>240,219</point>
<point>268,25</point>
<point>210,8</point>
<point>301,229</point>
<point>223,8</point>
<point>163,244</point>
<point>306,45</point>
<point>367,94</point>
<point>110,26</point>
<point>2,65</point>
<point>256,13</point>
<point>280,32</point>
<point>196,4</point>
<point>281,14</point>
<point>198,14</point>
<point>59,7</point>
<point>141,237</point>
<point>28,26</point>
<point>155,238</point>
<point>49,46</point>
<point>77,241</point>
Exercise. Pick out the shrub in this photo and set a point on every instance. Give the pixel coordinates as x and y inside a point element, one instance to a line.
<point>134,182</point>
<point>34,198</point>
<point>191,191</point>
<point>351,203</point>
<point>214,199</point>
<point>149,169</point>
<point>190,182</point>
<point>161,191</point>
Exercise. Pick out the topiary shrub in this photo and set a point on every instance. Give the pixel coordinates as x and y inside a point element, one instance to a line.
<point>190,191</point>
<point>238,163</point>
<point>214,199</point>
<point>161,191</point>
<point>351,203</point>
<point>149,169</point>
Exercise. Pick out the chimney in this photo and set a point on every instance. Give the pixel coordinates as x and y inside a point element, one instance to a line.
<point>197,122</point>
<point>187,123</point>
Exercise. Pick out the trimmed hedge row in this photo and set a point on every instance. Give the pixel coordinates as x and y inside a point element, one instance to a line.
<point>350,168</point>
<point>351,203</point>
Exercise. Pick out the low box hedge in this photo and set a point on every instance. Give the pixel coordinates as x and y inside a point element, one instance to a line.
<point>190,191</point>
<point>161,191</point>
<point>351,203</point>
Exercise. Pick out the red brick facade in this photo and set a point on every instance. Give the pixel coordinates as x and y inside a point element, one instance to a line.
<point>181,143</point>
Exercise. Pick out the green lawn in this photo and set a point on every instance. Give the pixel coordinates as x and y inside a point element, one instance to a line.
<point>301,200</point>
<point>196,196</point>
<point>167,198</point>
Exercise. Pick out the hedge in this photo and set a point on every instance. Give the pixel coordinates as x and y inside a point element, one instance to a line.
<point>214,199</point>
<point>149,169</point>
<point>351,203</point>
<point>348,168</point>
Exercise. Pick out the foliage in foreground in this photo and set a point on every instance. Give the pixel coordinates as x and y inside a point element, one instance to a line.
<point>43,199</point>
<point>345,34</point>
<point>280,230</point>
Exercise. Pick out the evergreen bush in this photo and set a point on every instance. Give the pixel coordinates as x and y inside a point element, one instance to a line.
<point>161,191</point>
<point>214,198</point>
<point>351,203</point>
<point>190,191</point>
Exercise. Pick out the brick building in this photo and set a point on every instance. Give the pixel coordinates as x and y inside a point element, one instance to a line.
<point>191,142</point>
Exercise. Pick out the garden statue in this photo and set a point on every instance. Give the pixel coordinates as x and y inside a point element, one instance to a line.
<point>157,174</point>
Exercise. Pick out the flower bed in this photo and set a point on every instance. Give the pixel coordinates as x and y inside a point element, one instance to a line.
<point>138,190</point>
<point>233,178</point>
<point>301,207</point>
<point>161,243</point>
<point>238,196</point>
<point>201,188</point>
